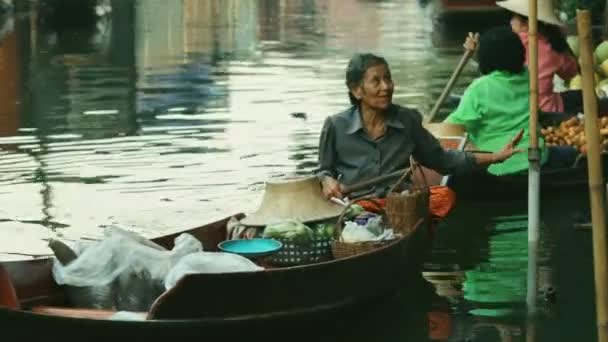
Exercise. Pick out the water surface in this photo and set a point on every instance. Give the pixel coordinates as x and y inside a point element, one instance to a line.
<point>165,115</point>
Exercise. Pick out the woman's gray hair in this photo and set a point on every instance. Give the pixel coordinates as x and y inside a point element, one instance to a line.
<point>357,66</point>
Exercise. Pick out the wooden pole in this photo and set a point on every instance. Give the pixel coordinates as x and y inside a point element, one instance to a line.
<point>594,169</point>
<point>534,160</point>
<point>605,32</point>
<point>371,182</point>
<point>463,62</point>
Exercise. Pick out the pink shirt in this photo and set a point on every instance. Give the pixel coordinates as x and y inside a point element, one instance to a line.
<point>550,63</point>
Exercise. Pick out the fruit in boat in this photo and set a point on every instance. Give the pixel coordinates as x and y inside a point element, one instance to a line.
<point>575,82</point>
<point>603,68</point>
<point>572,132</point>
<point>573,43</point>
<point>601,51</point>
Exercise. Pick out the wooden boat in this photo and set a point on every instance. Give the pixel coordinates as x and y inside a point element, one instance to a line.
<point>468,6</point>
<point>483,10</point>
<point>204,304</point>
<point>481,185</point>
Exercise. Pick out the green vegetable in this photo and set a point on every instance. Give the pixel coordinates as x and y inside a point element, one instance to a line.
<point>354,211</point>
<point>289,230</point>
<point>324,230</point>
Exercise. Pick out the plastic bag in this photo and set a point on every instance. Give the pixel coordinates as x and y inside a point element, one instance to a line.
<point>128,316</point>
<point>209,262</point>
<point>121,272</point>
<point>372,230</point>
<point>355,233</point>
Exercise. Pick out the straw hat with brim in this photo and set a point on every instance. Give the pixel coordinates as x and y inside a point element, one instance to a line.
<point>546,12</point>
<point>299,199</point>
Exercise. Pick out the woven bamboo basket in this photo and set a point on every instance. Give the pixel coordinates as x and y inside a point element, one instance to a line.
<point>404,210</point>
<point>294,253</point>
<point>341,249</point>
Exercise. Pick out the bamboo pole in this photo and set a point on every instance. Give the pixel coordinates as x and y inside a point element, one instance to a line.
<point>594,169</point>
<point>533,159</point>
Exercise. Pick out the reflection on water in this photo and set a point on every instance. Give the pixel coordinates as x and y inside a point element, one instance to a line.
<point>164,115</point>
<point>167,114</point>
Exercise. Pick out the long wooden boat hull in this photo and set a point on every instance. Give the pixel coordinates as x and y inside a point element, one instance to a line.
<point>481,185</point>
<point>28,326</point>
<point>219,301</point>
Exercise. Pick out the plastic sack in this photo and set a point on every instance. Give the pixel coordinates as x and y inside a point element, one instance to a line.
<point>355,233</point>
<point>372,230</point>
<point>289,230</point>
<point>121,272</point>
<point>209,262</point>
<point>128,316</point>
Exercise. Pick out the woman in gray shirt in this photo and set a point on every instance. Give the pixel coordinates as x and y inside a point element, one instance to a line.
<point>375,137</point>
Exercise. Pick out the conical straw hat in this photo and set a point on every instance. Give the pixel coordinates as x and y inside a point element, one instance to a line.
<point>299,199</point>
<point>546,12</point>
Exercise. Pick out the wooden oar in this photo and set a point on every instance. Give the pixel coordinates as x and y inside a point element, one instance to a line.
<point>448,88</point>
<point>371,182</point>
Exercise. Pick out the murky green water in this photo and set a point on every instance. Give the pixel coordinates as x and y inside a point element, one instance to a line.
<point>169,114</point>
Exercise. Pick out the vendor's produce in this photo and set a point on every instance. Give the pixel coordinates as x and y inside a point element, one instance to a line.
<point>600,63</point>
<point>572,133</point>
<point>324,230</point>
<point>289,230</point>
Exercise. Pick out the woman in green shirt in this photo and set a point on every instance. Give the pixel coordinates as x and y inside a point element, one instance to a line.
<point>496,106</point>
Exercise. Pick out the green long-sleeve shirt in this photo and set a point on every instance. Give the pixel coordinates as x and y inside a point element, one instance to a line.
<point>493,109</point>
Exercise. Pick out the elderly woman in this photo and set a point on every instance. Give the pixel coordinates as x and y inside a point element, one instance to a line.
<point>374,137</point>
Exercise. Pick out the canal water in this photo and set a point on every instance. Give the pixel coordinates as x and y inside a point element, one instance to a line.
<point>162,115</point>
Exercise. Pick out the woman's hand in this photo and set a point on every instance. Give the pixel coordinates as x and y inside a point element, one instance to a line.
<point>509,148</point>
<point>471,42</point>
<point>331,187</point>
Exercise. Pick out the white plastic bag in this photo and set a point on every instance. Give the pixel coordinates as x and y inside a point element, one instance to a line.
<point>209,262</point>
<point>355,233</point>
<point>121,272</point>
<point>372,230</point>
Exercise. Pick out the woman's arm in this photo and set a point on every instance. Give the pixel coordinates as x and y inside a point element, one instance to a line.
<point>430,153</point>
<point>568,66</point>
<point>484,159</point>
<point>327,173</point>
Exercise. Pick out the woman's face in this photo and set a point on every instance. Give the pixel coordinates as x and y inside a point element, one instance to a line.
<point>376,88</point>
<point>518,24</point>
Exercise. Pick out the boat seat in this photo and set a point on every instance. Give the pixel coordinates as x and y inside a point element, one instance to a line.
<point>8,295</point>
<point>79,313</point>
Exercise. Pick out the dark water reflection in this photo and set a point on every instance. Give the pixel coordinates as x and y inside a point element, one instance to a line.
<point>168,114</point>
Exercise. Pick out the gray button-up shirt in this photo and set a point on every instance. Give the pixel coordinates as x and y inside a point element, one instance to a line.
<point>347,153</point>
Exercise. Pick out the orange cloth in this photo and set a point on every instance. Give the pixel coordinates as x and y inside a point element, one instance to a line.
<point>371,206</point>
<point>440,325</point>
<point>442,200</point>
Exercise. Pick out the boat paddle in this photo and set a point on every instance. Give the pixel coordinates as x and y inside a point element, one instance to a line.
<point>448,88</point>
<point>348,189</point>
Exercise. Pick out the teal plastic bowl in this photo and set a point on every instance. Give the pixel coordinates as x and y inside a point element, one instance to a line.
<point>251,248</point>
